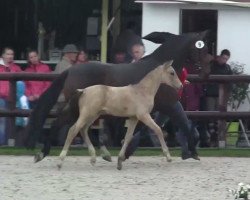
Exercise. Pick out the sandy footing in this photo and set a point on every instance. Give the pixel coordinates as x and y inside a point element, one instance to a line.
<point>142,178</point>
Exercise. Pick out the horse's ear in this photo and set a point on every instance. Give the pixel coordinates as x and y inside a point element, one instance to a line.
<point>205,33</point>
<point>168,63</point>
<point>158,37</point>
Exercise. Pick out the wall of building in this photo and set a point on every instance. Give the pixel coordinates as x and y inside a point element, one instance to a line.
<point>159,17</point>
<point>234,34</point>
<point>233,27</point>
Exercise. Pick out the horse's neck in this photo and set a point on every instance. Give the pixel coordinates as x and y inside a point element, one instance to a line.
<point>176,49</point>
<point>151,82</point>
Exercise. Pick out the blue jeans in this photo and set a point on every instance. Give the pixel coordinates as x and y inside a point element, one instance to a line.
<point>2,123</point>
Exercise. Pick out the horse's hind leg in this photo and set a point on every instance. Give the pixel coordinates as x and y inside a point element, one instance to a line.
<point>73,131</point>
<point>91,148</point>
<point>147,120</point>
<point>104,151</point>
<point>106,155</point>
<point>45,150</point>
<point>129,134</point>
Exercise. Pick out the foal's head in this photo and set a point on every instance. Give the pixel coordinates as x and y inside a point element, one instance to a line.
<point>169,76</point>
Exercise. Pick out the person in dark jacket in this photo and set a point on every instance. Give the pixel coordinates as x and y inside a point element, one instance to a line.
<point>219,66</point>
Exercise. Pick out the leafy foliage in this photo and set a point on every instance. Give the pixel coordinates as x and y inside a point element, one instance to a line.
<point>239,90</point>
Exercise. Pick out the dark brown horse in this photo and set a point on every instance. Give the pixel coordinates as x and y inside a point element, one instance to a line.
<point>174,47</point>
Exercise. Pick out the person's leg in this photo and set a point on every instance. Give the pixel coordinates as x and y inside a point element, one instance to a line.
<point>2,124</point>
<point>108,131</point>
<point>32,104</point>
<point>186,134</point>
<point>211,105</point>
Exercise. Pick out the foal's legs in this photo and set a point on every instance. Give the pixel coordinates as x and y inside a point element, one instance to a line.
<point>147,120</point>
<point>73,131</point>
<point>91,148</point>
<point>129,134</point>
<point>105,154</point>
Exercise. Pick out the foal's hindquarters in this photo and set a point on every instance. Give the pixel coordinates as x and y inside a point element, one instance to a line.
<point>87,115</point>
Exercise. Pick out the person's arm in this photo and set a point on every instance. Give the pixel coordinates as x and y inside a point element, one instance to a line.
<point>29,91</point>
<point>46,84</point>
<point>24,105</point>
<point>24,102</point>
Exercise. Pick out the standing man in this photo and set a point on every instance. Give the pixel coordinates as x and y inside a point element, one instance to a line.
<point>219,66</point>
<point>70,53</point>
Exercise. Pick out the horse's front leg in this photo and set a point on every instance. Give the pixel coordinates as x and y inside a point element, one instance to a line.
<point>129,134</point>
<point>147,120</point>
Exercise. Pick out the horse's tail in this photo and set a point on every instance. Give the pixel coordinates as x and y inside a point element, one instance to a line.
<point>45,103</point>
<point>73,105</point>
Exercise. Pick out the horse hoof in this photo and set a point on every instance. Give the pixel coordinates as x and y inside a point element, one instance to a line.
<point>195,157</point>
<point>38,157</point>
<point>93,161</point>
<point>59,166</point>
<point>119,163</point>
<point>169,159</point>
<point>107,158</point>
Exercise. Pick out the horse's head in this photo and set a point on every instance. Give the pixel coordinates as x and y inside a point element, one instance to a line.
<point>198,54</point>
<point>191,46</point>
<point>169,76</point>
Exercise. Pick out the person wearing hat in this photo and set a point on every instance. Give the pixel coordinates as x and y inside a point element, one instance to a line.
<point>70,53</point>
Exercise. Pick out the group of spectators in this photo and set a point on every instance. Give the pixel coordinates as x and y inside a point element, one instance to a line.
<point>28,92</point>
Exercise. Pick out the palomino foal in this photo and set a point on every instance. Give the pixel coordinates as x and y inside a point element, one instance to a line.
<point>132,101</point>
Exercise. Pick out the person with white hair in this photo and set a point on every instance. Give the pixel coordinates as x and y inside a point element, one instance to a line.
<point>137,52</point>
<point>70,53</point>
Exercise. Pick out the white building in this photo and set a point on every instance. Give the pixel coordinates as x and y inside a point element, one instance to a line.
<point>228,20</point>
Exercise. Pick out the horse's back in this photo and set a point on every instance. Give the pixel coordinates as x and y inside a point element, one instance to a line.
<point>97,73</point>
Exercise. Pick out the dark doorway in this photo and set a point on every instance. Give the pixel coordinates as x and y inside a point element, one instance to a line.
<point>200,20</point>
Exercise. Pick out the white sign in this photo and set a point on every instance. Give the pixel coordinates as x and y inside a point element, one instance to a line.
<point>199,44</point>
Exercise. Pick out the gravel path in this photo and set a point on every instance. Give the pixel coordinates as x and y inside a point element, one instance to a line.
<point>142,178</point>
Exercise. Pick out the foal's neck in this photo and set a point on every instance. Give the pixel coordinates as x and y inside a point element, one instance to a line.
<point>151,82</point>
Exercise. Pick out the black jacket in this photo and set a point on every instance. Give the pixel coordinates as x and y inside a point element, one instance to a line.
<point>212,89</point>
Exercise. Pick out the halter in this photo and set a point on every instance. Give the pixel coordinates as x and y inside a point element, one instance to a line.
<point>199,45</point>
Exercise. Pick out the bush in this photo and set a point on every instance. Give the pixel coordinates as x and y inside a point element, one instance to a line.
<point>239,90</point>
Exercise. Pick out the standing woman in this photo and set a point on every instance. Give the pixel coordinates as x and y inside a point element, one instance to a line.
<point>82,56</point>
<point>7,65</point>
<point>34,89</point>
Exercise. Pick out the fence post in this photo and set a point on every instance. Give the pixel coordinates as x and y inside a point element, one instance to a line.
<point>11,121</point>
<point>222,124</point>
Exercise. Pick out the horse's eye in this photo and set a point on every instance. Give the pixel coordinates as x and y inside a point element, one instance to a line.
<point>172,73</point>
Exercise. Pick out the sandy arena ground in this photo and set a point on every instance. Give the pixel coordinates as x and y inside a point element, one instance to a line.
<point>142,178</point>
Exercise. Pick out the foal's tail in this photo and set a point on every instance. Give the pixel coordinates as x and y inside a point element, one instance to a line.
<point>73,105</point>
<point>45,103</point>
